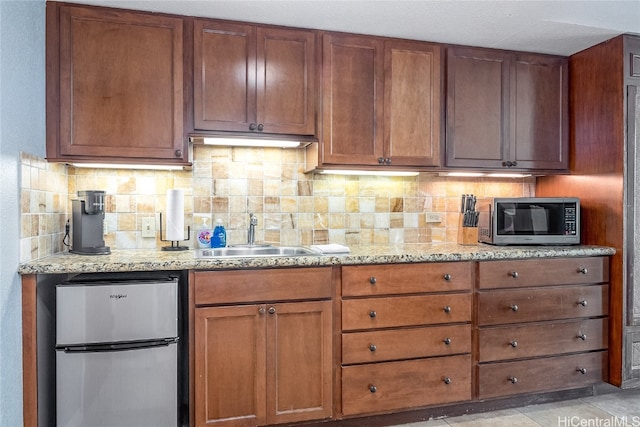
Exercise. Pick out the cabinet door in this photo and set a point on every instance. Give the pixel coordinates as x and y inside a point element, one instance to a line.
<point>413,113</point>
<point>352,100</point>
<point>230,365</point>
<point>477,108</point>
<point>224,76</point>
<point>540,128</point>
<point>120,86</point>
<point>286,81</point>
<point>299,362</point>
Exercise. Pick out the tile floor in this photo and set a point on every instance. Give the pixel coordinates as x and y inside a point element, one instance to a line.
<point>616,409</point>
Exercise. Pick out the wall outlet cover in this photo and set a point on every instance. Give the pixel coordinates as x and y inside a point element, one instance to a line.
<point>432,217</point>
<point>148,227</point>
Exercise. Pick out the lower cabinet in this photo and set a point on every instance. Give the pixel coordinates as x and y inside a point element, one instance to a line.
<point>406,336</point>
<point>262,363</point>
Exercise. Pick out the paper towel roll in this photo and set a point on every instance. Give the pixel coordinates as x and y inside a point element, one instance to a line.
<point>175,215</point>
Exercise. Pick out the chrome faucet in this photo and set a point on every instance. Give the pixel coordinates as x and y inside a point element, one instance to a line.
<point>251,234</point>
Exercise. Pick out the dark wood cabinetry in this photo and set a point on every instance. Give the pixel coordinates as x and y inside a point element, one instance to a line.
<point>114,86</point>
<point>535,335</point>
<point>397,324</point>
<point>264,357</point>
<point>506,110</point>
<point>605,134</point>
<point>254,79</point>
<point>381,102</point>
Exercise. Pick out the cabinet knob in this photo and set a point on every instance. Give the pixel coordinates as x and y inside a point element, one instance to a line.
<point>253,126</point>
<point>260,127</point>
<point>446,380</point>
<point>513,343</point>
<point>272,310</point>
<point>262,310</point>
<point>446,309</point>
<point>514,274</point>
<point>583,337</point>
<point>178,153</point>
<point>373,280</point>
<point>582,370</point>
<point>387,161</point>
<point>372,314</point>
<point>514,307</point>
<point>447,277</point>
<point>447,341</point>
<point>583,302</point>
<point>381,160</point>
<point>513,380</point>
<point>372,388</point>
<point>372,347</point>
<point>583,270</point>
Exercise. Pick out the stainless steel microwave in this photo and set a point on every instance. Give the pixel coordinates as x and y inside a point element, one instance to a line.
<point>530,221</point>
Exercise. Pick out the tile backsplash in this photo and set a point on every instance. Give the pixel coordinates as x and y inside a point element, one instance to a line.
<point>293,208</point>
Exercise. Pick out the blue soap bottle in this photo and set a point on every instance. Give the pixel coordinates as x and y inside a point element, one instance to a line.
<point>219,236</point>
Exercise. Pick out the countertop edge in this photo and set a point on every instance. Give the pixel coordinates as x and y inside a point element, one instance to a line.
<point>157,260</point>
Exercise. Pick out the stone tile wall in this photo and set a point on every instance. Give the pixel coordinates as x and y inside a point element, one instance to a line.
<point>293,208</point>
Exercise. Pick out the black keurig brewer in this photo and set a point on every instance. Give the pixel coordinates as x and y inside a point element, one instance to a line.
<point>88,223</point>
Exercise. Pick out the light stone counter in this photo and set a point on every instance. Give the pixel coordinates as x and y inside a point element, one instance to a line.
<point>155,260</point>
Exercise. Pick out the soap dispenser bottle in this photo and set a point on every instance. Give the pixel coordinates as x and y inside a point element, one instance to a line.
<point>219,237</point>
<point>204,235</point>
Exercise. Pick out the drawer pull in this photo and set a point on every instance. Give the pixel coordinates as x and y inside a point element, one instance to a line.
<point>372,388</point>
<point>447,277</point>
<point>583,270</point>
<point>514,274</point>
<point>372,347</point>
<point>513,343</point>
<point>582,370</point>
<point>514,307</point>
<point>513,380</point>
<point>272,310</point>
<point>446,380</point>
<point>372,314</point>
<point>447,341</point>
<point>583,337</point>
<point>446,309</point>
<point>373,280</point>
<point>583,302</point>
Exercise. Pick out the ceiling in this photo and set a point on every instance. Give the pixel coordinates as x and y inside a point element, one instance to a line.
<point>560,27</point>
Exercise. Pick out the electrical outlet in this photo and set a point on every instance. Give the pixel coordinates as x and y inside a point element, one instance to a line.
<point>432,217</point>
<point>148,227</point>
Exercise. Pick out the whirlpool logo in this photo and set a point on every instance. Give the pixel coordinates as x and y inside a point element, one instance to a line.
<point>117,296</point>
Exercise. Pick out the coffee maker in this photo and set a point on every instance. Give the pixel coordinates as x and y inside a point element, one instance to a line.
<point>88,223</point>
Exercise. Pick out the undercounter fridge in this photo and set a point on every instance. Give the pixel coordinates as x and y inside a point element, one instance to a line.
<point>116,353</point>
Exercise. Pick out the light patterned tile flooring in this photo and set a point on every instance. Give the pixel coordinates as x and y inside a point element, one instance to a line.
<point>616,409</point>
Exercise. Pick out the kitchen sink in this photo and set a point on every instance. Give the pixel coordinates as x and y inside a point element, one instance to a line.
<point>255,251</point>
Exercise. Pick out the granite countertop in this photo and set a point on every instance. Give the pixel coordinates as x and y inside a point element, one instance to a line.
<point>153,260</point>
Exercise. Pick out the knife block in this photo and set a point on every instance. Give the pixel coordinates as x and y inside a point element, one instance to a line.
<point>466,235</point>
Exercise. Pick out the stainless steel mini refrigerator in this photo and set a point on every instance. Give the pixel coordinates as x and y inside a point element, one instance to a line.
<point>116,353</point>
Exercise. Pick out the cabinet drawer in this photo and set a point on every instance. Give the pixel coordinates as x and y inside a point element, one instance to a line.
<point>543,272</point>
<point>368,280</point>
<point>531,305</point>
<point>537,375</point>
<point>416,310</point>
<point>232,286</point>
<point>412,343</point>
<point>387,386</point>
<point>516,342</point>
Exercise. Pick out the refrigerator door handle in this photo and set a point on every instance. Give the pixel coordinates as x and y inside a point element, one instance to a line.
<point>123,346</point>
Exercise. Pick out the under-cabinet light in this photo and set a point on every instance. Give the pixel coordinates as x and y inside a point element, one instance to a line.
<point>365,172</point>
<point>508,175</point>
<point>485,174</point>
<point>463,174</point>
<point>250,142</point>
<point>127,166</point>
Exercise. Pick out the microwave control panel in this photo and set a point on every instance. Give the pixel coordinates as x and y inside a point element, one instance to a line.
<point>570,220</point>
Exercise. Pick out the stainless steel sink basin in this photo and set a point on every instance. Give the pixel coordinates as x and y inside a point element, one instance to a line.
<point>255,251</point>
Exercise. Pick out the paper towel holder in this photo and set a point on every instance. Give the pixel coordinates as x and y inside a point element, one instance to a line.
<point>175,244</point>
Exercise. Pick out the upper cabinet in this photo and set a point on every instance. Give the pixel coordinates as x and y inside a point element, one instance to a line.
<point>114,86</point>
<point>254,79</point>
<point>381,102</point>
<point>506,110</point>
